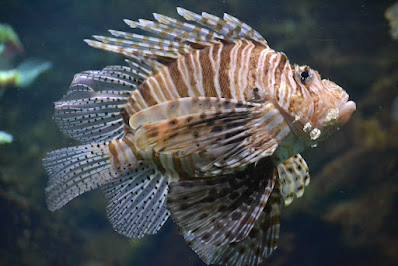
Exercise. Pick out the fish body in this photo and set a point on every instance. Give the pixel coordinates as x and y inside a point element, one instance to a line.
<point>205,124</point>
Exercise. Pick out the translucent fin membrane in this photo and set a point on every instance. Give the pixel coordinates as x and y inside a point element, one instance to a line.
<point>230,27</point>
<point>223,209</point>
<point>90,116</point>
<point>293,177</point>
<point>261,241</point>
<point>75,170</point>
<point>175,38</point>
<point>137,201</point>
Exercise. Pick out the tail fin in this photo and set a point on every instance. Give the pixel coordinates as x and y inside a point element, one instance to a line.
<point>75,170</point>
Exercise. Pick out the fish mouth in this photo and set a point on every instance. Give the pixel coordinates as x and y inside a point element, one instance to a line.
<point>345,112</point>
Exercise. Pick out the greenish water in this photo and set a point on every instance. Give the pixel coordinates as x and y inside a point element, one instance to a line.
<point>348,214</point>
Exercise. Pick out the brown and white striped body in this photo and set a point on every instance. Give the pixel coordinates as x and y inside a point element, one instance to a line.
<point>206,118</point>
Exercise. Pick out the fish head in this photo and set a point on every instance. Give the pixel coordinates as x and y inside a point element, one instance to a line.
<point>323,106</point>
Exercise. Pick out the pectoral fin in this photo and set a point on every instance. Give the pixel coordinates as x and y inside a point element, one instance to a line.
<point>222,209</point>
<point>224,133</point>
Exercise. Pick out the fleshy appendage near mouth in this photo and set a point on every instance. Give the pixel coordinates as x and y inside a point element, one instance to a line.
<point>346,111</point>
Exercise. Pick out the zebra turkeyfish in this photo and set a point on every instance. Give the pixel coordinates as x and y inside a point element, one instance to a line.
<point>205,123</point>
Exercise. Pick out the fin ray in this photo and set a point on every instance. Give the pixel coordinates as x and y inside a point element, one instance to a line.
<point>227,137</point>
<point>137,201</point>
<point>257,246</point>
<point>222,209</point>
<point>75,170</point>
<point>293,177</point>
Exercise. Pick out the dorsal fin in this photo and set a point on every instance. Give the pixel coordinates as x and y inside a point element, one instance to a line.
<point>175,38</point>
<point>230,27</point>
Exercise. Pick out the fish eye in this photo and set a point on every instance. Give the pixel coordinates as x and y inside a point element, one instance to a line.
<point>304,74</point>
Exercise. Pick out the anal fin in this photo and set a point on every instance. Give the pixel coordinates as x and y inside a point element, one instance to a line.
<point>137,201</point>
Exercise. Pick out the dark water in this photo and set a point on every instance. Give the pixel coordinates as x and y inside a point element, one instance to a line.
<point>348,215</point>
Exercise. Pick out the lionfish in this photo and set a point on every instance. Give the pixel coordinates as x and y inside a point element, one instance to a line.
<point>205,124</point>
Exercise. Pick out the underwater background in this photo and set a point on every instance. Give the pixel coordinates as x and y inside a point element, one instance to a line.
<point>349,212</point>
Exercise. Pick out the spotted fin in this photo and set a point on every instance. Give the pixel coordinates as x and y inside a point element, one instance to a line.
<point>293,177</point>
<point>257,246</point>
<point>186,106</point>
<point>137,201</point>
<point>222,209</point>
<point>75,170</point>
<point>223,138</point>
<point>91,110</point>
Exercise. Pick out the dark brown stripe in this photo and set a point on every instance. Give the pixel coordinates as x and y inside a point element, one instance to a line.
<point>133,148</point>
<point>253,64</point>
<point>240,61</point>
<point>147,94</point>
<point>278,74</point>
<point>223,77</point>
<point>267,65</point>
<point>156,160</point>
<point>177,79</point>
<point>207,72</point>
<point>162,85</point>
<point>113,151</point>
<point>193,83</point>
<point>178,167</point>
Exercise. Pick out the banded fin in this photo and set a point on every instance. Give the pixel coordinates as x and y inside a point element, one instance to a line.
<point>223,138</point>
<point>293,177</point>
<point>230,27</point>
<point>194,34</point>
<point>222,209</point>
<point>176,38</point>
<point>175,30</point>
<point>154,62</point>
<point>75,170</point>
<point>257,246</point>
<point>132,47</point>
<point>137,201</point>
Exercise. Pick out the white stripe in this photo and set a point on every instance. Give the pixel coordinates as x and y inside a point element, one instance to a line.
<point>273,62</point>
<point>232,65</point>
<point>245,69</point>
<point>173,86</point>
<point>216,68</point>
<point>166,86</point>
<point>261,68</point>
<point>153,92</point>
<point>198,69</point>
<point>141,103</point>
<point>182,67</point>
